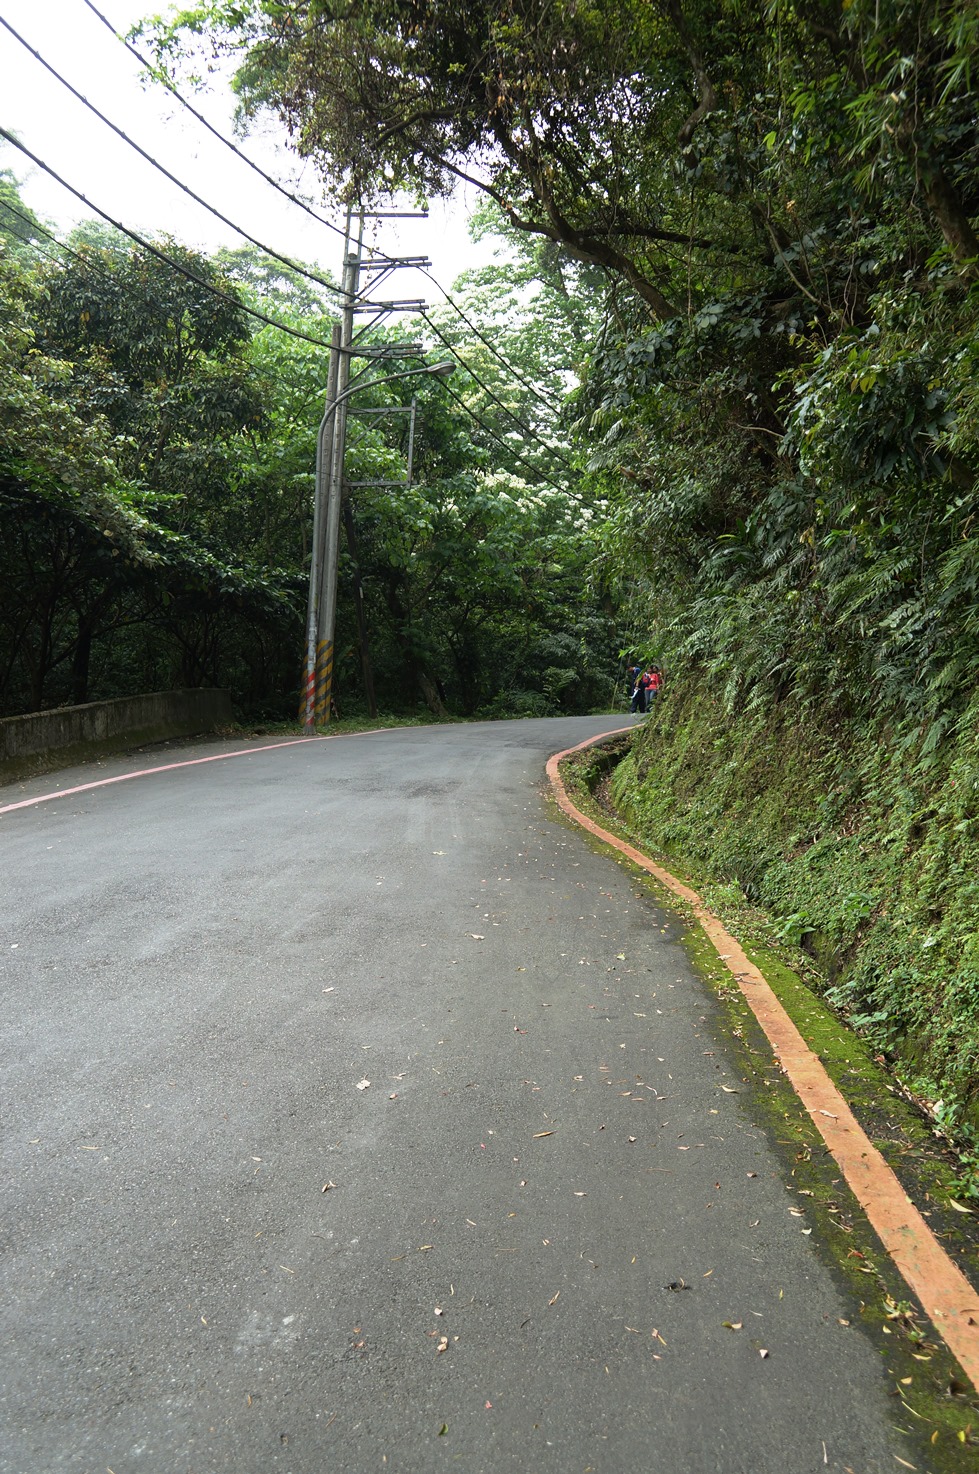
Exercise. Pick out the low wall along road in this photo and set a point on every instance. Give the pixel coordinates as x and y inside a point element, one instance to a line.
<point>46,739</point>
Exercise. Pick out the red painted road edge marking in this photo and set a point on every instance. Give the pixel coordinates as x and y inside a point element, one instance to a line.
<point>194,762</point>
<point>945,1294</point>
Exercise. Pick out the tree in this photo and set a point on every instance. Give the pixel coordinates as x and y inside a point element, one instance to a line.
<point>20,228</point>
<point>75,534</point>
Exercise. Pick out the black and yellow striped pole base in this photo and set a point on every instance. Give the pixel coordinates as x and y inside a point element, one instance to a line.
<point>324,682</point>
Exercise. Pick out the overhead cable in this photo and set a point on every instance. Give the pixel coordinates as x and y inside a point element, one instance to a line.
<point>146,245</point>
<point>248,311</point>
<point>239,230</point>
<point>518,459</point>
<point>534,388</point>
<point>521,424</point>
<point>158,76</point>
<point>303,205</point>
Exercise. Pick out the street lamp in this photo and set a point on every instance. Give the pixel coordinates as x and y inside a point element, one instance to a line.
<point>322,606</point>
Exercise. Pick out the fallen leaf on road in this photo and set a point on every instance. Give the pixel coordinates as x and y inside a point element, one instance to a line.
<point>363,1084</point>
<point>477,936</point>
<point>327,1185</point>
<point>555,1298</point>
<point>581,1195</point>
<point>443,1430</point>
<point>538,1134</point>
<point>959,1207</point>
<point>835,1118</point>
<point>730,1089</point>
<point>442,1346</point>
<point>732,1325</point>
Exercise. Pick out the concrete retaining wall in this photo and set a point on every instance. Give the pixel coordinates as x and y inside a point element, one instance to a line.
<point>50,739</point>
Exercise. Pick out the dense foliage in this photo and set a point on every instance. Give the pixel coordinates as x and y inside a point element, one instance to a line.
<point>747,298</point>
<point>779,392</point>
<point>157,448</point>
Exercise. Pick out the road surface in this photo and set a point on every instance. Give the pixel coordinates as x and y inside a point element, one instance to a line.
<point>358,1115</point>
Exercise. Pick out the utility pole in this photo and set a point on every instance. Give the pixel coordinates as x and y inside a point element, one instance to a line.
<point>350,287</point>
<point>316,653</point>
<point>330,456</point>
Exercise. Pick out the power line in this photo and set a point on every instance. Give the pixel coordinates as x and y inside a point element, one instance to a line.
<point>521,424</point>
<point>103,275</point>
<point>7,207</point>
<point>228,142</point>
<point>534,389</point>
<point>518,459</point>
<point>224,297</point>
<point>280,326</point>
<point>146,245</point>
<point>268,250</point>
<point>296,200</point>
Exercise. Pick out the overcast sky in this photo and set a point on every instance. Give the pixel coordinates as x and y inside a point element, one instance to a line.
<point>61,131</point>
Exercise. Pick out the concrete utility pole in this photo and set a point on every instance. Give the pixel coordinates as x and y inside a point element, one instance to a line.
<point>315,648</point>
<point>330,455</point>
<point>350,286</point>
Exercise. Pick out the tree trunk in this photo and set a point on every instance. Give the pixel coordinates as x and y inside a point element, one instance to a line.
<point>80,662</point>
<point>953,222</point>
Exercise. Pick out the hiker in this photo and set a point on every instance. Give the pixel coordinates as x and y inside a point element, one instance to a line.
<point>638,702</point>
<point>654,684</point>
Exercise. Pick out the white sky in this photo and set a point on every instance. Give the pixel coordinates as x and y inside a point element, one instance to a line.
<point>60,130</point>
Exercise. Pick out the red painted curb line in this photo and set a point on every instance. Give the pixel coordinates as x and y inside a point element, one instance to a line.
<point>945,1294</point>
<point>194,762</point>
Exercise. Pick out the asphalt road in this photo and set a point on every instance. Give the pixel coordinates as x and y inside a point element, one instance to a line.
<point>379,966</point>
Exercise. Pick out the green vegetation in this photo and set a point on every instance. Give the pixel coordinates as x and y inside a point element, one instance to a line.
<point>861,853</point>
<point>740,438</point>
<point>157,451</point>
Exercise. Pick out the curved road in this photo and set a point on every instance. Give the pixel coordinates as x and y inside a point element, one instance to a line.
<point>358,1116</point>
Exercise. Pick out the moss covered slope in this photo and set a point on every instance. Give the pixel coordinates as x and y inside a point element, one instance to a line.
<point>863,850</point>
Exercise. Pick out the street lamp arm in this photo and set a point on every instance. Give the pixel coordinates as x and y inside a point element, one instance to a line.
<point>439,370</point>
